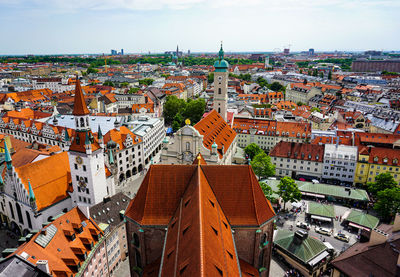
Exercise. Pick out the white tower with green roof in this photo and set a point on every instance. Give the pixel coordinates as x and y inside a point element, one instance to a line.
<point>221,85</point>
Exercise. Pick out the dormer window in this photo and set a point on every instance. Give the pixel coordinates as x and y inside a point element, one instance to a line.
<point>395,161</point>
<point>385,160</point>
<point>376,159</point>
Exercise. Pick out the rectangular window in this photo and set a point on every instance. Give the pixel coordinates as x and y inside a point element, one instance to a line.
<point>84,167</point>
<point>75,166</point>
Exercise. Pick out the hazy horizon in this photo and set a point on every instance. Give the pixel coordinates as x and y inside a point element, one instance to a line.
<point>138,26</point>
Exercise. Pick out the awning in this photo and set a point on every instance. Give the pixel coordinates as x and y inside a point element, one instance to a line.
<point>313,194</point>
<point>327,244</point>
<point>319,258</point>
<point>358,226</point>
<point>345,215</point>
<point>322,218</point>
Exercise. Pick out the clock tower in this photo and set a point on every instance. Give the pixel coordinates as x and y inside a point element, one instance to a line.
<point>221,85</point>
<point>86,158</point>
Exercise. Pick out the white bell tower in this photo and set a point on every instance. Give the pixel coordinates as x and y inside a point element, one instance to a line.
<point>221,85</point>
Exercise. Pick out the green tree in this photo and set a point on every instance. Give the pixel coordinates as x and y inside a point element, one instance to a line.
<point>91,70</point>
<point>382,181</point>
<point>388,203</point>
<point>210,78</point>
<point>173,105</point>
<point>252,150</point>
<point>262,165</point>
<point>288,191</point>
<point>315,109</point>
<point>176,126</point>
<point>124,84</point>
<point>194,110</point>
<point>315,73</point>
<point>133,90</point>
<point>275,86</point>
<point>108,83</point>
<point>146,81</point>
<point>330,75</point>
<point>321,74</point>
<point>268,192</point>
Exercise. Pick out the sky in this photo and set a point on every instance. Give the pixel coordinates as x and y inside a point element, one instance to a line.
<point>140,26</point>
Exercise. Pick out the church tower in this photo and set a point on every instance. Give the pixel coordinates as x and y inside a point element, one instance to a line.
<point>221,85</point>
<point>86,157</point>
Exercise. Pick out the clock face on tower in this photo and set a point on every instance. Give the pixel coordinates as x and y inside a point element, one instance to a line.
<point>78,160</point>
<point>220,78</point>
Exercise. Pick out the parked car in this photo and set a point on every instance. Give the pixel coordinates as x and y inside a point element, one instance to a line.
<point>315,181</point>
<point>303,225</point>
<point>323,231</point>
<point>342,237</point>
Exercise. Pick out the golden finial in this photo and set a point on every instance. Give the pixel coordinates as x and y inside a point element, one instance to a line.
<point>198,159</point>
<point>187,121</point>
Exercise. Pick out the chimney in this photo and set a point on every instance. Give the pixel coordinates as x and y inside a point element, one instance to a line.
<point>377,237</point>
<point>43,265</point>
<point>396,224</point>
<point>85,211</point>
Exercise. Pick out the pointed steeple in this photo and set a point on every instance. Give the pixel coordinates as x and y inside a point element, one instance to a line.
<point>66,137</point>
<point>80,107</point>
<point>7,156</point>
<point>221,53</point>
<point>110,157</point>
<point>31,194</point>
<point>99,134</point>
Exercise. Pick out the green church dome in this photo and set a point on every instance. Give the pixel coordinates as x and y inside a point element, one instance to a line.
<point>221,65</point>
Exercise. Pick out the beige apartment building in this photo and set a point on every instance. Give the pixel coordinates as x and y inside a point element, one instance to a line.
<point>298,160</point>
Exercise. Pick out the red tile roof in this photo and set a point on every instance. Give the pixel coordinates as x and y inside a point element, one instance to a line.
<point>62,254</point>
<point>199,239</point>
<point>236,188</point>
<point>51,187</point>
<point>214,129</point>
<point>299,151</point>
<point>272,127</point>
<point>384,156</point>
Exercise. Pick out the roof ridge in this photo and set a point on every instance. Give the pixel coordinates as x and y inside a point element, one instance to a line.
<point>197,170</point>
<point>252,194</point>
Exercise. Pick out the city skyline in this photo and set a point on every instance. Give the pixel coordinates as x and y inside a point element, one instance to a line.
<point>74,27</point>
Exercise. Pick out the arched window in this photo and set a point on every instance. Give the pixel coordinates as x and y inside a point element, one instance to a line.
<point>12,210</point>
<point>20,218</point>
<point>261,259</point>
<point>28,218</point>
<point>136,241</point>
<point>219,110</point>
<point>87,121</point>
<point>82,122</point>
<point>187,146</point>
<point>219,90</point>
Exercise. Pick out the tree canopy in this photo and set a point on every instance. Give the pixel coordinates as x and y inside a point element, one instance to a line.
<point>288,190</point>
<point>262,165</point>
<point>176,111</point>
<point>388,203</point>
<point>382,181</point>
<point>252,150</point>
<point>268,192</point>
<point>147,81</point>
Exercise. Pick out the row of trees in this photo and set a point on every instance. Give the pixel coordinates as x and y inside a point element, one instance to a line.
<point>262,166</point>
<point>176,111</point>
